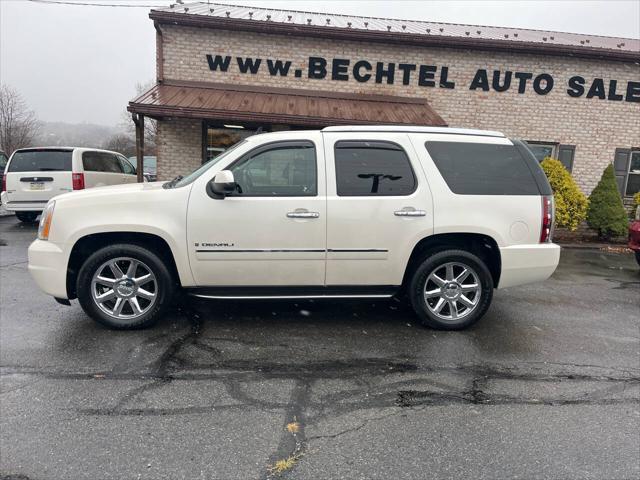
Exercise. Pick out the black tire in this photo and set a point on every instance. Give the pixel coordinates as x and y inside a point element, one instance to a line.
<point>164,286</point>
<point>638,256</point>
<point>27,217</point>
<point>433,263</point>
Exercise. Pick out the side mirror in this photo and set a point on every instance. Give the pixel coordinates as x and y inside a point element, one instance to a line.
<point>222,185</point>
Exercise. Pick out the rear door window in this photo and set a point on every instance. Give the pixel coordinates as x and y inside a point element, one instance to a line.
<point>370,168</point>
<point>483,169</point>
<point>41,161</point>
<point>100,162</point>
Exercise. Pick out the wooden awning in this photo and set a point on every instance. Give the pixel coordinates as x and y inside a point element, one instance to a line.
<point>238,103</point>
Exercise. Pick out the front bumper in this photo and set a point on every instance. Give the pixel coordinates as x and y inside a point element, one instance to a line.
<point>48,267</point>
<point>522,264</point>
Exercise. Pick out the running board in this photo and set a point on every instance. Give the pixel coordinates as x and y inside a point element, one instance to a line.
<point>292,293</point>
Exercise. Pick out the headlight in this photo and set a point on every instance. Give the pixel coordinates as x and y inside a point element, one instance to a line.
<point>45,221</point>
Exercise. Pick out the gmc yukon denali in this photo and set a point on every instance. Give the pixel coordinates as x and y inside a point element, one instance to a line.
<point>442,216</point>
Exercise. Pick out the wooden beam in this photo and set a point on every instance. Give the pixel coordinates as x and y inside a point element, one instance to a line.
<point>138,120</point>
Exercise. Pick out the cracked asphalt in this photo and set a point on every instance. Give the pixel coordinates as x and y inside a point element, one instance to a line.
<point>546,386</point>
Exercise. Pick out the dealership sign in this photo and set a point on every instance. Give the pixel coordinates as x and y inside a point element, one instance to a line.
<point>363,71</point>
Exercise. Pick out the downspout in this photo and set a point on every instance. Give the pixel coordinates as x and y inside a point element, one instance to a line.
<point>159,53</point>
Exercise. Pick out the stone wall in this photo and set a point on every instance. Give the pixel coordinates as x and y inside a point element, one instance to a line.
<point>179,143</point>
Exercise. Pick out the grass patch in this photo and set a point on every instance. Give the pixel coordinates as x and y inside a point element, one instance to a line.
<point>293,427</point>
<point>283,465</point>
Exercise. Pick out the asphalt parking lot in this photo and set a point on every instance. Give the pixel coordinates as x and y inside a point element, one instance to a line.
<point>547,385</point>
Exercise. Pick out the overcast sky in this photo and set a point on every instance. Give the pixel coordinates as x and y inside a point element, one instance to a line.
<point>77,63</point>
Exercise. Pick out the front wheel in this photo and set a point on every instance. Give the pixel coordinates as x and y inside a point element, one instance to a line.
<point>27,217</point>
<point>451,290</point>
<point>124,287</point>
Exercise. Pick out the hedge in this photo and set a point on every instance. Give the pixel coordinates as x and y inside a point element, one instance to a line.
<point>571,203</point>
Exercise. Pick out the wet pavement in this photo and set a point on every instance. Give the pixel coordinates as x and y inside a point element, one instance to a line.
<point>547,385</point>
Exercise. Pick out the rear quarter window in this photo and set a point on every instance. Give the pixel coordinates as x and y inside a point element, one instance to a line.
<point>40,161</point>
<point>483,169</point>
<point>100,162</point>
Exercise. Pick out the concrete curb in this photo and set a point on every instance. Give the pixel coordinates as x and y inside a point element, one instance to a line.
<point>593,246</point>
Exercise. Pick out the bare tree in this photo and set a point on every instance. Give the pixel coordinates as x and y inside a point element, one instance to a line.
<point>18,124</point>
<point>150,125</point>
<point>121,143</point>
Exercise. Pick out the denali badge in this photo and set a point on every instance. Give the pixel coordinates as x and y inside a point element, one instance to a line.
<point>214,244</point>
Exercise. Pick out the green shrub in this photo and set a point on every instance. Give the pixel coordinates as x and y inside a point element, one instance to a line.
<point>634,207</point>
<point>606,213</point>
<point>571,203</point>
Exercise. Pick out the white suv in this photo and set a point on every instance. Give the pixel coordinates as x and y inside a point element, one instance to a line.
<point>34,175</point>
<point>443,215</point>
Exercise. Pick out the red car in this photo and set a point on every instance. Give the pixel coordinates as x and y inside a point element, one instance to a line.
<point>634,235</point>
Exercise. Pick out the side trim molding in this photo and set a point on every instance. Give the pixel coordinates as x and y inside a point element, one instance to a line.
<point>292,250</point>
<point>292,292</point>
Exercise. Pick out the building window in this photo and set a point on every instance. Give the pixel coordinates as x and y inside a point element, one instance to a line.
<point>626,164</point>
<point>372,168</point>
<point>564,153</point>
<point>543,150</point>
<point>218,140</point>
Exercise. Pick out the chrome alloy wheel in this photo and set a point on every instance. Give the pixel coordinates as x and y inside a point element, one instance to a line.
<point>124,288</point>
<point>452,291</point>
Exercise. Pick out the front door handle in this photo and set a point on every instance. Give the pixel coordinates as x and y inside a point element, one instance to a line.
<point>298,214</point>
<point>409,213</point>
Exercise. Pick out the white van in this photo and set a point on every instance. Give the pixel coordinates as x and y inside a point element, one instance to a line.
<point>35,175</point>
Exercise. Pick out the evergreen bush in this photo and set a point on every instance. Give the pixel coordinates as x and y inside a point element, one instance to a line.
<point>606,214</point>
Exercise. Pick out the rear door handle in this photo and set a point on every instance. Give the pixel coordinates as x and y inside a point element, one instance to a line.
<point>303,215</point>
<point>409,213</point>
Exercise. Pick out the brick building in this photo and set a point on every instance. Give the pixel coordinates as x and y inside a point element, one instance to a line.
<point>225,72</point>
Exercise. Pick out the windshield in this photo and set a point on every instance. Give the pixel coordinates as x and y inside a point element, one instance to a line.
<point>205,166</point>
<point>41,161</point>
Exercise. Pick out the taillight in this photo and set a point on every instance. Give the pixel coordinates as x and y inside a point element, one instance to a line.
<point>78,181</point>
<point>4,183</point>
<point>548,214</point>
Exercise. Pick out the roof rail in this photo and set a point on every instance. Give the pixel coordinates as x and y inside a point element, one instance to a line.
<point>413,129</point>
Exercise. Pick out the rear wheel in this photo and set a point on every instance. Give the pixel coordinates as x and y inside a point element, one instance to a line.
<point>27,217</point>
<point>638,256</point>
<point>451,290</point>
<point>124,286</point>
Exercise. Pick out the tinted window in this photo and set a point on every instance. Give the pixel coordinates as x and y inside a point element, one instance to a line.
<point>100,162</point>
<point>127,168</point>
<point>372,168</point>
<point>285,169</point>
<point>483,169</point>
<point>40,161</point>
<point>3,161</point>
